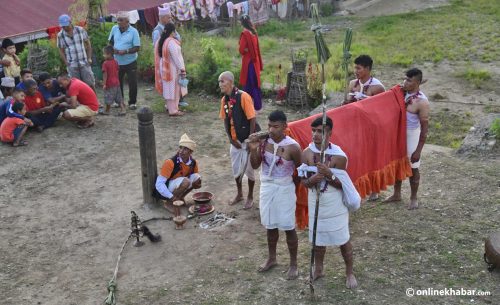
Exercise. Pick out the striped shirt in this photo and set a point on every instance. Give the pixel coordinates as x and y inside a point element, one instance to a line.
<point>74,46</point>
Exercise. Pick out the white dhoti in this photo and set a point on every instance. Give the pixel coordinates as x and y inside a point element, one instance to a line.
<point>277,203</point>
<point>175,183</point>
<point>333,218</point>
<point>240,159</point>
<point>412,137</point>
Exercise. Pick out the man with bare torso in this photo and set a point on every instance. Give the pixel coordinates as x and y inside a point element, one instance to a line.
<point>279,155</point>
<point>417,126</point>
<point>365,84</point>
<point>333,214</point>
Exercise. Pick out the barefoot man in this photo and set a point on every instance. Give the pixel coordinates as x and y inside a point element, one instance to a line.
<point>279,156</point>
<point>417,125</point>
<point>238,113</point>
<point>333,216</point>
<point>179,174</point>
<point>363,86</point>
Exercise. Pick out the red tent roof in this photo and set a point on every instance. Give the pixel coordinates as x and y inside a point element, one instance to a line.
<point>25,17</point>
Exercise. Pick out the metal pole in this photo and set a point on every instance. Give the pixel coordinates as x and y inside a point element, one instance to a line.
<point>147,147</point>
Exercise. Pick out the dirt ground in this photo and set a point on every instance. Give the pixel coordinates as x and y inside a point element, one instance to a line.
<point>65,212</point>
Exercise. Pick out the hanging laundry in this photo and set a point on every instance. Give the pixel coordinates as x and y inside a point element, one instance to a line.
<point>230,7</point>
<point>133,16</point>
<point>258,11</point>
<point>151,15</point>
<point>282,8</point>
<point>184,10</point>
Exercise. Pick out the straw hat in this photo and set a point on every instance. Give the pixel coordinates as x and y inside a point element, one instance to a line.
<point>187,142</point>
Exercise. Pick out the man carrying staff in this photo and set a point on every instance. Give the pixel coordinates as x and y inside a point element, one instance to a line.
<point>417,126</point>
<point>279,155</point>
<point>333,215</point>
<point>179,174</point>
<point>238,112</point>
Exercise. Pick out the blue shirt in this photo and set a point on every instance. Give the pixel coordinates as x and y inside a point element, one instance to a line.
<point>124,41</point>
<point>6,110</point>
<point>54,92</point>
<point>21,86</point>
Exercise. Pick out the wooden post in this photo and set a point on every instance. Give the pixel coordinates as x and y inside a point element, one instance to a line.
<point>147,147</point>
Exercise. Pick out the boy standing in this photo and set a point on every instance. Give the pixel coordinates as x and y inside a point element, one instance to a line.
<point>14,69</point>
<point>111,86</point>
<point>13,129</point>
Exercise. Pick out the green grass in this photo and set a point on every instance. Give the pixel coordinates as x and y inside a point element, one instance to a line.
<point>495,128</point>
<point>448,129</point>
<point>491,109</point>
<point>464,31</point>
<point>477,77</point>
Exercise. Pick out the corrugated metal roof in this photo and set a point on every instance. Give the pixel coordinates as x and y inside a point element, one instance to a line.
<point>24,17</point>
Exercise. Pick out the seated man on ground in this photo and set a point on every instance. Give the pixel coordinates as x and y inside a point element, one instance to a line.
<point>50,89</point>
<point>42,115</point>
<point>179,174</point>
<point>83,104</point>
<point>13,129</point>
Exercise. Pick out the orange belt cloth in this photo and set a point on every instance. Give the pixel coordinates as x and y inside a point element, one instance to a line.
<point>372,133</point>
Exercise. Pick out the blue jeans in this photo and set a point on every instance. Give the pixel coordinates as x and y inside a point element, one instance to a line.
<point>46,119</point>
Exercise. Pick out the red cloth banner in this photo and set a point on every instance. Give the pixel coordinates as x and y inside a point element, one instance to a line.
<point>372,133</point>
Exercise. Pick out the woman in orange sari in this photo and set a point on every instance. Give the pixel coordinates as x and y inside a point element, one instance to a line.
<point>251,62</point>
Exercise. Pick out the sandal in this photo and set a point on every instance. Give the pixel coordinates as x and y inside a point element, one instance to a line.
<point>121,113</point>
<point>21,143</point>
<point>178,113</point>
<point>102,112</point>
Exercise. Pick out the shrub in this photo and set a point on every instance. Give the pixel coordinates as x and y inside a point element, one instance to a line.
<point>314,85</point>
<point>146,59</point>
<point>99,39</point>
<point>55,64</point>
<point>214,62</point>
<point>495,128</point>
<point>475,76</point>
<point>326,9</point>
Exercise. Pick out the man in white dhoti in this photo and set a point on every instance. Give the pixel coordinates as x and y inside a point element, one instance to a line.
<point>239,117</point>
<point>279,156</point>
<point>336,195</point>
<point>417,126</point>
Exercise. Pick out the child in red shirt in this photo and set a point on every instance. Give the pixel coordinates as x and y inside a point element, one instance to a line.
<point>111,86</point>
<point>13,129</point>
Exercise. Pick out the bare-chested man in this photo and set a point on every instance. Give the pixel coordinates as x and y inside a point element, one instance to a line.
<point>279,156</point>
<point>365,84</point>
<point>333,214</point>
<point>417,125</point>
<point>238,113</point>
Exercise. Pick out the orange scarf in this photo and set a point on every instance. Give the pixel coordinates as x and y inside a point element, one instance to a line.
<point>165,74</point>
